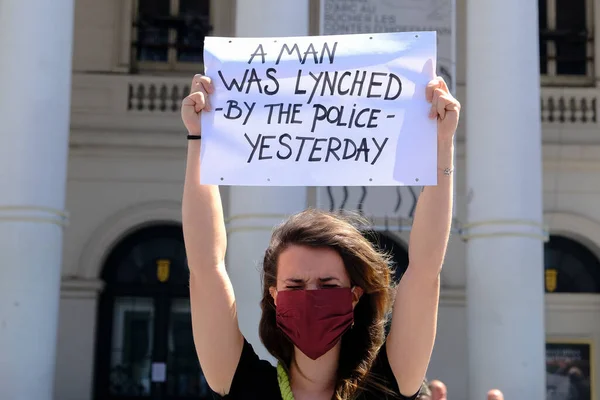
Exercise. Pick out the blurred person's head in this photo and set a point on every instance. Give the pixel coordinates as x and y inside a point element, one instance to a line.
<point>438,390</point>
<point>424,392</point>
<point>495,394</point>
<point>575,374</point>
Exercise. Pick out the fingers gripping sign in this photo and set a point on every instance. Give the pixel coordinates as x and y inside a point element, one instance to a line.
<point>444,107</point>
<point>196,102</point>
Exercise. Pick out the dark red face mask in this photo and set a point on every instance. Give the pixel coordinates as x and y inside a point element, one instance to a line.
<point>315,320</point>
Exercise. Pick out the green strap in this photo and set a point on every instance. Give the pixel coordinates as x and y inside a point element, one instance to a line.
<point>284,383</point>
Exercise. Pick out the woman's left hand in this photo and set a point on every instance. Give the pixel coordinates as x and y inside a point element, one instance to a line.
<point>444,107</point>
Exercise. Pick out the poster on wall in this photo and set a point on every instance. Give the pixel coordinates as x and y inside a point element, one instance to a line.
<point>340,17</point>
<point>569,370</point>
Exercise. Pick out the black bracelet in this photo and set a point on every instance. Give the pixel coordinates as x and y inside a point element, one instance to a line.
<point>194,137</point>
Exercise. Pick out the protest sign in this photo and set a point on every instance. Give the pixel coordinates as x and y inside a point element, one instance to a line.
<point>317,111</point>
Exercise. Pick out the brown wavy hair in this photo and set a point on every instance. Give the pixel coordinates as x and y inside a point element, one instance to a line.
<point>367,268</point>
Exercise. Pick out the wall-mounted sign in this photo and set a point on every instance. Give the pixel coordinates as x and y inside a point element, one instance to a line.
<point>159,372</point>
<point>340,17</point>
<point>569,370</point>
<point>163,269</point>
<point>551,279</point>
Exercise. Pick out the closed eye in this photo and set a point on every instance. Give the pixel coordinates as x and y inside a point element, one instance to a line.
<point>293,287</point>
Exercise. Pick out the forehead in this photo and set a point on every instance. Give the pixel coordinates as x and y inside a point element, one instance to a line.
<point>437,388</point>
<point>301,262</point>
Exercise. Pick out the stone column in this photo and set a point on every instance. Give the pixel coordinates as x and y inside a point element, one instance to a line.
<point>35,85</point>
<point>255,210</point>
<point>505,292</point>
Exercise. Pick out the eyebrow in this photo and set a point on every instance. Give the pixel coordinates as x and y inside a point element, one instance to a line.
<point>322,280</point>
<point>328,279</point>
<point>294,280</point>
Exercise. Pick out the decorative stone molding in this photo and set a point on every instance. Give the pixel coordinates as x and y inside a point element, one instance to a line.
<point>577,227</point>
<point>73,288</point>
<point>569,105</point>
<point>455,297</point>
<point>120,225</point>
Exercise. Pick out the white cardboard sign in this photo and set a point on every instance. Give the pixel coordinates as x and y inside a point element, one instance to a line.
<point>346,110</point>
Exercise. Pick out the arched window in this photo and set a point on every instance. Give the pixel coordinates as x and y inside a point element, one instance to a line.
<point>570,267</point>
<point>145,348</point>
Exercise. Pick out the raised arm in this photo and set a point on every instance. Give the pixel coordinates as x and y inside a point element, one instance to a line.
<point>217,335</point>
<point>414,319</point>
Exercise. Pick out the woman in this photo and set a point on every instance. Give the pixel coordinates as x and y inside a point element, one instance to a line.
<point>327,291</point>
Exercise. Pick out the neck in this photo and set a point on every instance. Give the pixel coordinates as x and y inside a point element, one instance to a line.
<point>314,378</point>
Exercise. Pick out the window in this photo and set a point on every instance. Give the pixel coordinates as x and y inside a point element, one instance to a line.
<point>566,41</point>
<point>570,267</point>
<point>145,347</point>
<point>169,34</point>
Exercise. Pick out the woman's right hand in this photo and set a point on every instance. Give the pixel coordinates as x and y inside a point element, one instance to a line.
<point>195,102</point>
